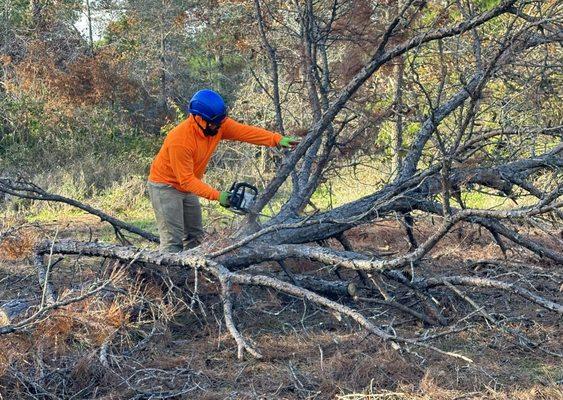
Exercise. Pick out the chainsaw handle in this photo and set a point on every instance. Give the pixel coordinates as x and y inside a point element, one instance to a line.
<point>236,185</point>
<point>240,191</point>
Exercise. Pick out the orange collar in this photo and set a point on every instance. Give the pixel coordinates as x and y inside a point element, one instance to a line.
<point>193,123</point>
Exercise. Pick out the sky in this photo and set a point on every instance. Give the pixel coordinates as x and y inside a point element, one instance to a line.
<point>100,20</point>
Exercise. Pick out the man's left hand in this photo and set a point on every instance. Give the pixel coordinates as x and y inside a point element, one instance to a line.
<point>289,142</point>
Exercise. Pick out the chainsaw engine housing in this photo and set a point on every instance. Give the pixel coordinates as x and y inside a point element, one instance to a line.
<point>242,197</point>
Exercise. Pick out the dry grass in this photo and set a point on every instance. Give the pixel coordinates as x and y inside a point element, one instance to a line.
<point>16,244</point>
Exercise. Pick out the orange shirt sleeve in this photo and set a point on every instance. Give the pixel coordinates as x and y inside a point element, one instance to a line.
<point>182,163</point>
<point>233,130</point>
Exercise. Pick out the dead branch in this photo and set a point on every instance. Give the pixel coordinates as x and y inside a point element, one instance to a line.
<point>395,304</point>
<point>260,253</point>
<point>13,308</point>
<point>242,344</point>
<point>194,259</point>
<point>28,190</point>
<point>42,312</point>
<point>426,283</point>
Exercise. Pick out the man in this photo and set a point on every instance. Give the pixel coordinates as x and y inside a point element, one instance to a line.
<point>175,179</point>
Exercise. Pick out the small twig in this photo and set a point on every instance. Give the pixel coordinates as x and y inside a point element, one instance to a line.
<point>489,318</point>
<point>228,311</point>
<point>46,276</point>
<point>37,316</point>
<point>399,306</point>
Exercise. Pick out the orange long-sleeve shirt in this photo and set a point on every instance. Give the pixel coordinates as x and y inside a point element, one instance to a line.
<point>185,153</point>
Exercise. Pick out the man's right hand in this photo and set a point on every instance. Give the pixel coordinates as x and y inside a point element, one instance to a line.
<point>224,199</point>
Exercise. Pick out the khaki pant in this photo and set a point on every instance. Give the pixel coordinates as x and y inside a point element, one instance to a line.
<point>178,217</point>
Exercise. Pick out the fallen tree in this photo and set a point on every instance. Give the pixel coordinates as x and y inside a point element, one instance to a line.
<point>448,155</point>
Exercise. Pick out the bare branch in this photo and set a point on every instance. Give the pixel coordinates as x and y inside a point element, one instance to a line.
<point>27,190</point>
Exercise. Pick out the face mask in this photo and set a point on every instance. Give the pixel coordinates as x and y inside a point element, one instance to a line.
<point>208,131</point>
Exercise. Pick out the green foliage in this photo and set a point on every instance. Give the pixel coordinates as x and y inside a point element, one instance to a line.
<point>93,145</point>
<point>486,4</point>
<point>15,12</point>
<point>124,34</point>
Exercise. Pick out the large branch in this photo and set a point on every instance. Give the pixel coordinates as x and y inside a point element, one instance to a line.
<point>425,283</point>
<point>355,261</point>
<point>27,190</point>
<point>404,197</point>
<point>130,254</point>
<point>429,126</point>
<point>511,48</point>
<point>498,228</point>
<point>535,247</point>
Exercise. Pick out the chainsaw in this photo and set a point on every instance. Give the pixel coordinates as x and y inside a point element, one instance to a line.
<point>242,197</point>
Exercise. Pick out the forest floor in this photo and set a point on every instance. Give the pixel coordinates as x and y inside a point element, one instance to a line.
<point>308,353</point>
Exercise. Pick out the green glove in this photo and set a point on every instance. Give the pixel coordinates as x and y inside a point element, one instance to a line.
<point>224,199</point>
<point>289,142</point>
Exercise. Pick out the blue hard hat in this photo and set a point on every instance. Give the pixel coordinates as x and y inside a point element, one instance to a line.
<point>209,105</point>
